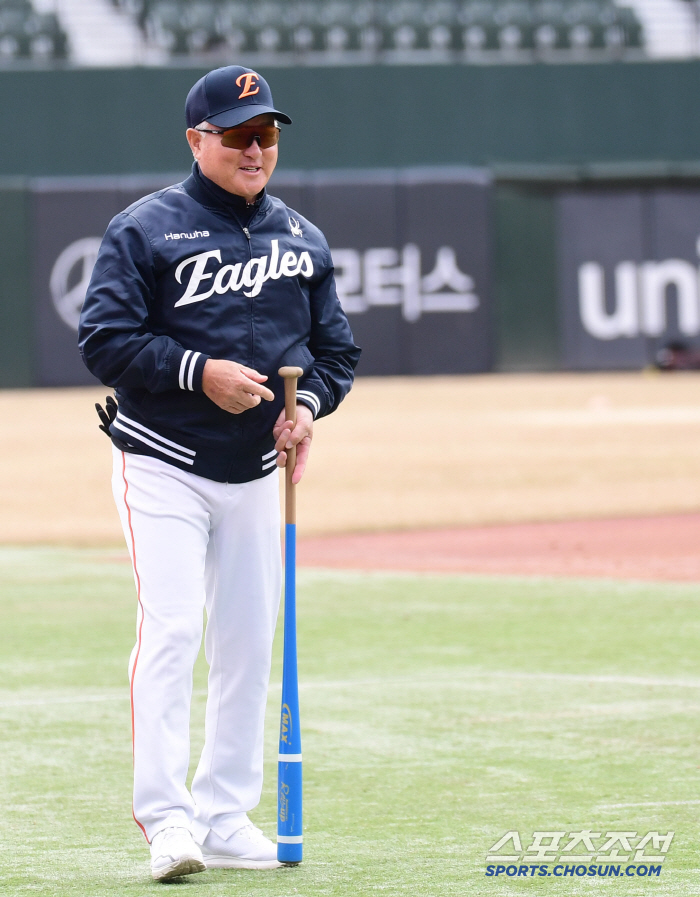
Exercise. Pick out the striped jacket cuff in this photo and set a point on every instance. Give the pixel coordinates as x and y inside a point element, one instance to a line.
<point>311,400</point>
<point>190,370</point>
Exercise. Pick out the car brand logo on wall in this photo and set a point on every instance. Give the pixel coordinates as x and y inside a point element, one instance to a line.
<point>70,277</point>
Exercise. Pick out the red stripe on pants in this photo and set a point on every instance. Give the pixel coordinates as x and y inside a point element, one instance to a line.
<point>138,640</point>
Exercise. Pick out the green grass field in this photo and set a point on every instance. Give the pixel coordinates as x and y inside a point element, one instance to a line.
<point>438,713</point>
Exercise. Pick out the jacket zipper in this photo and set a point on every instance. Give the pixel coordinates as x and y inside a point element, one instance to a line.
<point>246,231</point>
<point>252,335</point>
<point>252,328</point>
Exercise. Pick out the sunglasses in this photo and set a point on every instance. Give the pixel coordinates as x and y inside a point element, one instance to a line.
<point>240,138</point>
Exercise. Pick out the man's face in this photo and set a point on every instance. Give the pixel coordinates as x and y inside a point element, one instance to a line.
<point>243,172</point>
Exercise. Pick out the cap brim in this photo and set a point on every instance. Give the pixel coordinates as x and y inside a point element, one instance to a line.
<point>239,114</point>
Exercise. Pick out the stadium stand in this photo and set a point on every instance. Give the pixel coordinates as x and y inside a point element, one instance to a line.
<point>27,34</point>
<point>344,32</point>
<point>401,30</point>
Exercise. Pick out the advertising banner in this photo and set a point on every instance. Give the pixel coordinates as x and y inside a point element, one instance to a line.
<point>411,258</point>
<point>628,273</point>
<point>411,254</point>
<point>68,220</point>
<point>67,227</point>
<point>444,231</point>
<point>360,222</point>
<point>670,283</point>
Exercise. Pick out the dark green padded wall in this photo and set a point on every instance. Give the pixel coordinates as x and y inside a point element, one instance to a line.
<point>121,121</point>
<point>525,278</point>
<point>16,336</point>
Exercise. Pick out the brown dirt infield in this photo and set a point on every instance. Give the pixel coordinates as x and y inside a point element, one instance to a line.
<point>474,471</point>
<point>651,548</point>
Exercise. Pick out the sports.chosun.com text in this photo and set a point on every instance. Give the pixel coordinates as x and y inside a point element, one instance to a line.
<point>560,870</point>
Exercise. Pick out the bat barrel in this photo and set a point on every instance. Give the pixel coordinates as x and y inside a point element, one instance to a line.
<point>290,847</point>
<point>289,768</point>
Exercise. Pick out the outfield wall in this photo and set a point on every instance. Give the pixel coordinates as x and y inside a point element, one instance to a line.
<point>411,250</point>
<point>543,132</point>
<point>595,274</point>
<point>120,121</point>
<point>440,272</point>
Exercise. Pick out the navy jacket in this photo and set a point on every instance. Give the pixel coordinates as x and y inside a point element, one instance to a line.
<point>192,272</point>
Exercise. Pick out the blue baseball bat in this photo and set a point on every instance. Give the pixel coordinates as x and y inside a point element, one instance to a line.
<point>289,771</point>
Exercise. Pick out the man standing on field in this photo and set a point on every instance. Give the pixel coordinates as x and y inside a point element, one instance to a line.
<point>200,293</point>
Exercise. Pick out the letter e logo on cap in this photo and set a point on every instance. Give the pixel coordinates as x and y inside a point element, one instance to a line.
<point>249,78</point>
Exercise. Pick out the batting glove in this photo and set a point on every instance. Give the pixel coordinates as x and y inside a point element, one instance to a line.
<point>106,414</point>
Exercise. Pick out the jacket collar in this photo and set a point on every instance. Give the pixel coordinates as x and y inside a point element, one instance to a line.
<point>211,196</point>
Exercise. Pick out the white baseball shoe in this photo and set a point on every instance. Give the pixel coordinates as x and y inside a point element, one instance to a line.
<point>174,853</point>
<point>246,848</point>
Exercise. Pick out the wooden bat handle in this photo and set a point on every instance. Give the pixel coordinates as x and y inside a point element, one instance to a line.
<point>290,375</point>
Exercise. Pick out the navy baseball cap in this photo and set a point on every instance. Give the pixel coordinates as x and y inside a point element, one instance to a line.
<point>230,96</point>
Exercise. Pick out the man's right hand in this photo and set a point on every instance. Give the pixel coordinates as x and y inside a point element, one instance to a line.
<point>233,386</point>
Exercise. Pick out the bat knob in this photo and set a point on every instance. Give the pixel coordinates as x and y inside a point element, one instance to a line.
<point>290,373</point>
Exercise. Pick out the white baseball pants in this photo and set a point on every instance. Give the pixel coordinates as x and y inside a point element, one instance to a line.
<point>196,543</point>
